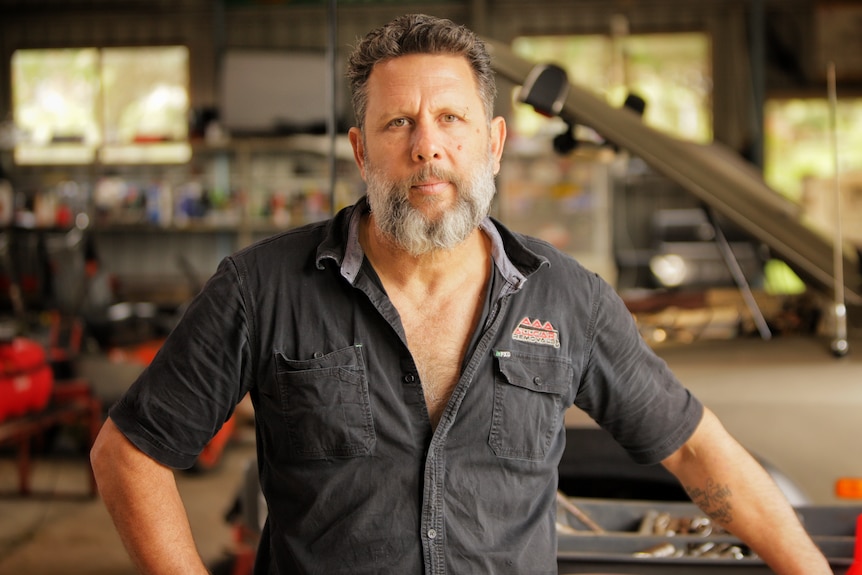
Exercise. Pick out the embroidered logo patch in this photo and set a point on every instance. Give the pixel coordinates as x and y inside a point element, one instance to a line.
<point>534,331</point>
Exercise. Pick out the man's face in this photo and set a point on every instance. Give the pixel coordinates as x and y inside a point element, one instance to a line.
<point>428,154</point>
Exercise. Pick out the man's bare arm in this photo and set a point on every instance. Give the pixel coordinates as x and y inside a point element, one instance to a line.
<point>142,498</point>
<point>730,486</point>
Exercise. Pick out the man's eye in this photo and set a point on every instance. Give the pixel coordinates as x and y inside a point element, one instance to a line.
<point>398,122</point>
<point>450,118</point>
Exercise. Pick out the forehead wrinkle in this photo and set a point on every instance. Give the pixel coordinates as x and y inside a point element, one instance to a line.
<point>437,86</point>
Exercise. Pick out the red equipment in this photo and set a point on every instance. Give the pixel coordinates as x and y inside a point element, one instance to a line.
<point>26,378</point>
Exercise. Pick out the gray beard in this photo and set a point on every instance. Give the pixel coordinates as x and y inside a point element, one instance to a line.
<point>415,233</point>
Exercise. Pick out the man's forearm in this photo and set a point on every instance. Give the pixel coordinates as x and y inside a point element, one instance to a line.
<point>728,484</point>
<point>142,498</point>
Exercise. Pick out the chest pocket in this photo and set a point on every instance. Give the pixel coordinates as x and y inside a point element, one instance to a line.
<point>528,404</point>
<point>326,404</point>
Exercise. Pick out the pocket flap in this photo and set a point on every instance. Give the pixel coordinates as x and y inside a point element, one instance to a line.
<point>539,374</point>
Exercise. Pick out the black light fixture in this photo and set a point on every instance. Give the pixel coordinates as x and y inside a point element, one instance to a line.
<point>546,88</point>
<point>565,142</point>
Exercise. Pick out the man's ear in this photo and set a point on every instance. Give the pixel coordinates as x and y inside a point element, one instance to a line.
<point>498,140</point>
<point>356,142</point>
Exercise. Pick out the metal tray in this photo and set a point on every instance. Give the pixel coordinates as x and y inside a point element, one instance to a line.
<point>627,534</point>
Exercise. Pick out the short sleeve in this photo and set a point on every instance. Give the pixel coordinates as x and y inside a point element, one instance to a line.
<point>630,391</point>
<point>181,400</point>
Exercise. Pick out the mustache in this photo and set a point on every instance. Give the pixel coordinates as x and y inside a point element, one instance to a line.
<point>432,172</point>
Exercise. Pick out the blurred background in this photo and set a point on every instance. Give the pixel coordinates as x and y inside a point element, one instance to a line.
<point>705,159</point>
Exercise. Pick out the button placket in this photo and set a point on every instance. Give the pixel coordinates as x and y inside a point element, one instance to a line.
<point>433,514</point>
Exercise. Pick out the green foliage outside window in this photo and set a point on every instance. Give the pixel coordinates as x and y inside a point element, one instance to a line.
<point>74,105</point>
<point>670,71</point>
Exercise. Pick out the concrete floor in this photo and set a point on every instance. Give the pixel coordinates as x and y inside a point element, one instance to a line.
<point>789,400</point>
<point>61,531</point>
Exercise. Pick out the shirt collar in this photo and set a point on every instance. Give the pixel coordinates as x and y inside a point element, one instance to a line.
<point>513,259</point>
<point>508,270</point>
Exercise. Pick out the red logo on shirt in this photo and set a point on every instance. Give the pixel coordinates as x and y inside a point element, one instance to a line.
<point>535,331</point>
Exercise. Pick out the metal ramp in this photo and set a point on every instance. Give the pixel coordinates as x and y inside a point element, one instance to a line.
<point>716,175</point>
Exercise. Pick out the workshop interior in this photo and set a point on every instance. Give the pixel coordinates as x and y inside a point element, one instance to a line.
<point>704,158</point>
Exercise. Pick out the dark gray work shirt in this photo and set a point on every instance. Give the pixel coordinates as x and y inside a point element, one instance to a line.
<point>355,479</point>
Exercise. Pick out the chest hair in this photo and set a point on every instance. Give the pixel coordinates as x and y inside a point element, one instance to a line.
<point>438,332</point>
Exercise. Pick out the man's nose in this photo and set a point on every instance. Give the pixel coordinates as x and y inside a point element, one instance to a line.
<point>427,143</point>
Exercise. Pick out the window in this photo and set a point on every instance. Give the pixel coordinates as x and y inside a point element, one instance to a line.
<point>797,141</point>
<point>112,105</point>
<point>670,71</point>
<point>54,98</point>
<point>800,162</point>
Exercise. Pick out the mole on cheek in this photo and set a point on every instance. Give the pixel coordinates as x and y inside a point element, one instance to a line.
<point>459,147</point>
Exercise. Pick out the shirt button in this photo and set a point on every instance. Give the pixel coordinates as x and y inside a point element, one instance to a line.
<point>538,380</point>
<point>409,378</point>
<point>432,534</point>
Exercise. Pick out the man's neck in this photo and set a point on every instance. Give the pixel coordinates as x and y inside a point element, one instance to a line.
<point>439,270</point>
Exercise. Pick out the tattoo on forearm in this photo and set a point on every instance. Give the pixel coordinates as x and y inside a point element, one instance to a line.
<point>714,500</point>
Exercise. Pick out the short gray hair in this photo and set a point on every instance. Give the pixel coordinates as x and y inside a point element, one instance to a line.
<point>418,34</point>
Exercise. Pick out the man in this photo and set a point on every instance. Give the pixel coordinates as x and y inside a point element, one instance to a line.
<point>410,363</point>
